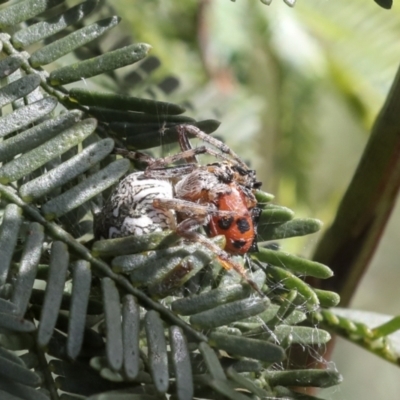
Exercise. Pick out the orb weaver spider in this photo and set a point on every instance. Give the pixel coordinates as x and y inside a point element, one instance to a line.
<point>185,197</point>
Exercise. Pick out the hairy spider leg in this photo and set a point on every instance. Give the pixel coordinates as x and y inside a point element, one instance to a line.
<point>162,163</point>
<point>157,168</point>
<point>185,145</point>
<point>184,155</point>
<point>189,155</point>
<point>159,162</point>
<point>200,211</point>
<point>174,172</point>
<point>196,132</point>
<point>134,155</point>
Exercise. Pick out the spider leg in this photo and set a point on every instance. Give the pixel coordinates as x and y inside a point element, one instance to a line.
<point>194,131</point>
<point>157,168</point>
<point>170,172</point>
<point>184,155</point>
<point>186,229</point>
<point>159,163</point>
<point>185,145</point>
<point>188,153</point>
<point>134,155</point>
<point>200,212</point>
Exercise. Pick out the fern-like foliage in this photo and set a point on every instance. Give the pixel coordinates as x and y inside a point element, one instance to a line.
<point>383,3</point>
<point>136,317</point>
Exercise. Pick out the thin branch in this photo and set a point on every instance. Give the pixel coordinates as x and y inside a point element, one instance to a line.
<point>349,244</point>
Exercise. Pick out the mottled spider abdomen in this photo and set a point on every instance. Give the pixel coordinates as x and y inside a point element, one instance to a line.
<point>130,211</point>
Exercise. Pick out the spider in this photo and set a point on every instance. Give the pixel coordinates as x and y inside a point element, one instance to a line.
<point>184,197</point>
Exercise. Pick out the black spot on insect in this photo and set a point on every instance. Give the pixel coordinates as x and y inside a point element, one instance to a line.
<point>238,244</point>
<point>225,222</point>
<point>243,225</point>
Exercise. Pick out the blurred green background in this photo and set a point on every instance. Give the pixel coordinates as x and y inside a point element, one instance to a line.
<point>297,90</point>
